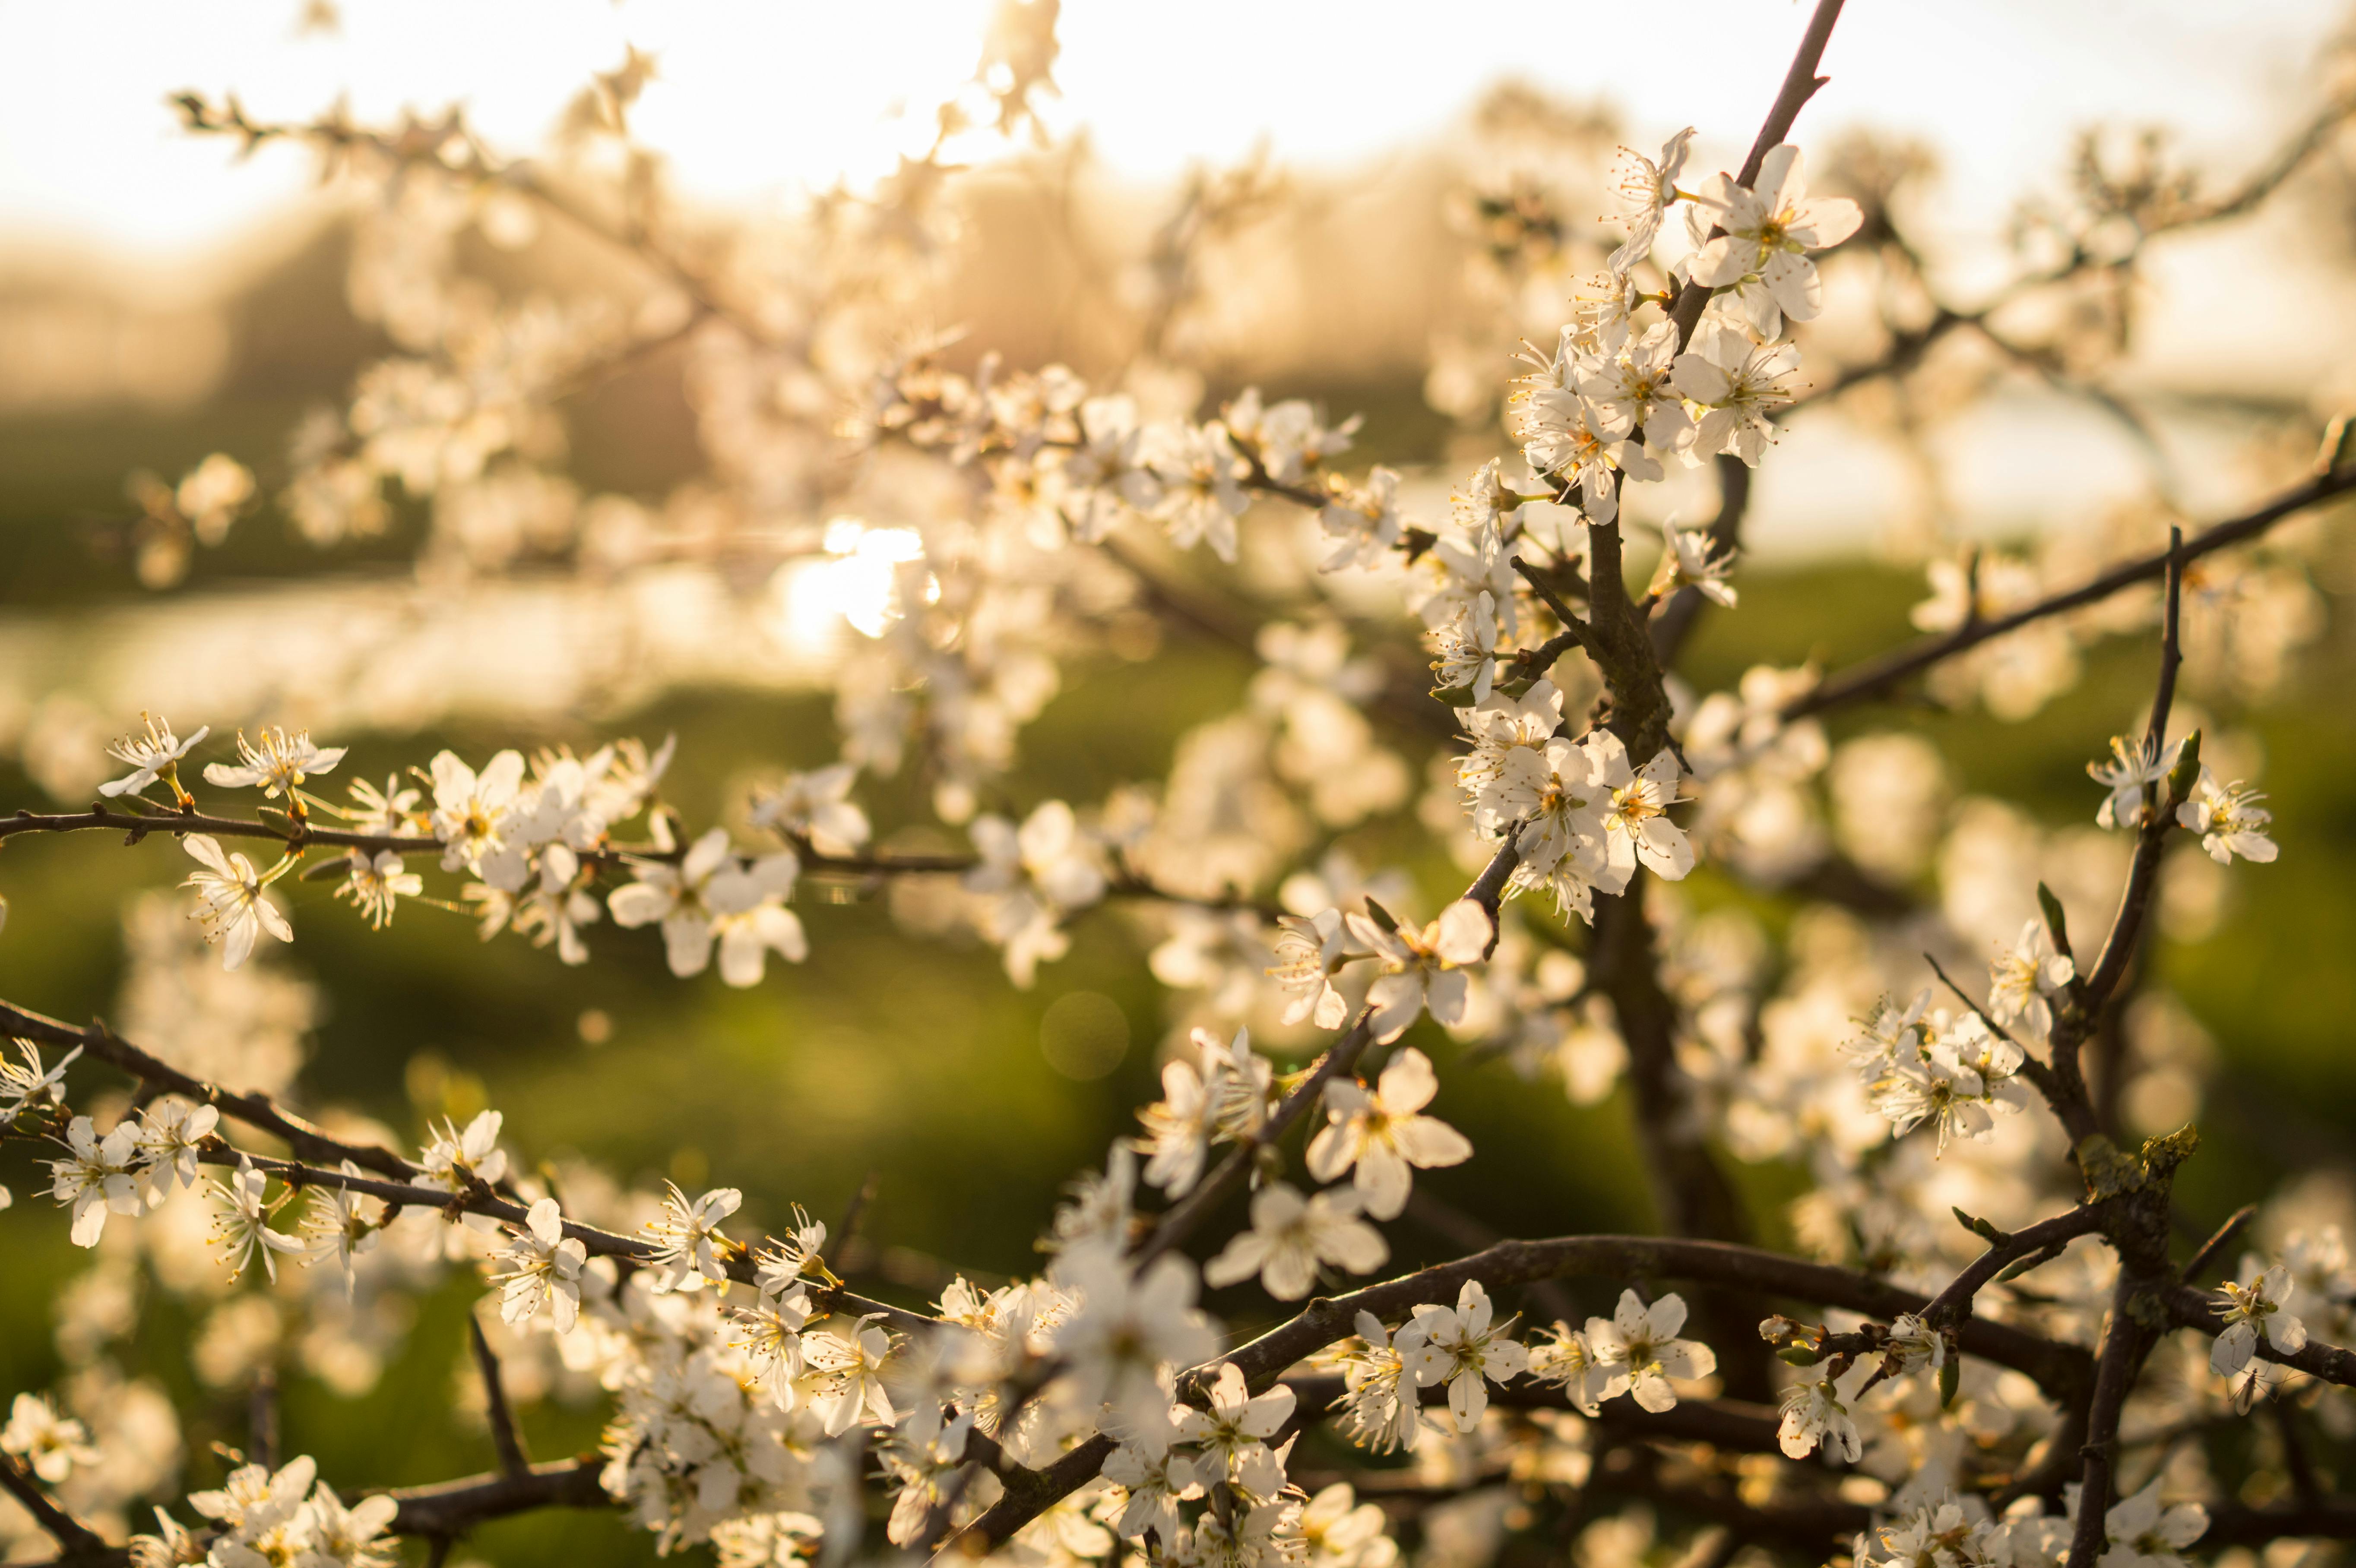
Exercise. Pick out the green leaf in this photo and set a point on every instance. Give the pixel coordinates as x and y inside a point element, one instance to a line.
<point>1951,1377</point>
<point>2055,921</point>
<point>2187,772</point>
<point>1381,916</point>
<point>2020,1266</point>
<point>1980,1228</point>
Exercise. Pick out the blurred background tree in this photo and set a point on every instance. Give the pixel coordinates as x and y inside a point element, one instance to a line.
<point>1389,273</point>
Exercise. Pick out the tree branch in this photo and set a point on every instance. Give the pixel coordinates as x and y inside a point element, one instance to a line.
<point>1876,675</point>
<point>2124,1342</point>
<point>507,1438</point>
<point>450,1509</point>
<point>256,1110</point>
<point>76,1541</point>
<point>2062,1370</point>
<point>481,1199</point>
<point>1800,84</point>
<point>2201,1262</point>
<point>1954,1302</point>
<point>2191,1308</point>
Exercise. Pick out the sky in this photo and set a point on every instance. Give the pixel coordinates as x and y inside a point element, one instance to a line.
<point>761,97</point>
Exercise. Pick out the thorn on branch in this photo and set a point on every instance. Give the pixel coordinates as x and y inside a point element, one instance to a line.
<point>2215,1247</point>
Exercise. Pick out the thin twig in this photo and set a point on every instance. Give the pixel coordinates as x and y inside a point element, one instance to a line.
<point>2122,1343</point>
<point>2063,1095</point>
<point>1954,1302</point>
<point>2171,643</point>
<point>2211,1250</point>
<point>75,1540</point>
<point>507,1437</point>
<point>2192,1308</point>
<point>1800,84</point>
<point>1877,675</point>
<point>2161,798</point>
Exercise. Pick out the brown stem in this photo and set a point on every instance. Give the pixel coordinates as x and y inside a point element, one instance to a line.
<point>480,1199</point>
<point>1692,1192</point>
<point>2124,1341</point>
<point>2211,1250</point>
<point>261,1418</point>
<point>1675,621</point>
<point>2193,1309</point>
<point>1800,84</point>
<point>507,1437</point>
<point>256,1110</point>
<point>1953,1303</point>
<point>449,1509</point>
<point>76,1541</point>
<point>2303,1484</point>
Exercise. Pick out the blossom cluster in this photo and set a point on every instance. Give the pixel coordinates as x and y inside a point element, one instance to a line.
<point>998,527</point>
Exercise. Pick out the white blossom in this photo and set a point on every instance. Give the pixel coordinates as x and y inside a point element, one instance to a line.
<point>2255,1310</point>
<point>1155,1479</point>
<point>51,1445</point>
<point>472,814</point>
<point>98,1177</point>
<point>1292,1237</point>
<point>1459,1348</point>
<point>276,764</point>
<point>454,1161</point>
<point>1636,1351</point>
<point>337,1224</point>
<point>2229,819</point>
<point>2144,1534</point>
<point>1310,951</point>
<point>1645,190</point>
<point>1815,1414</point>
<point>850,1362</point>
<point>1127,1329</point>
<point>1378,1407</point>
<point>689,1247</point>
<point>171,1134</point>
<point>2135,768</point>
<point>241,1227</point>
<point>1692,559</point>
<point>1770,229</point>
<point>150,757</point>
<point>27,1084</point>
<point>815,806</point>
<point>541,1265</point>
<point>1233,1432</point>
<point>376,882</point>
<point>1423,969</point>
<point>2021,981</point>
<point>1380,1135</point>
<point>1636,829</point>
<point>230,905</point>
<point>1738,386</point>
<point>681,898</point>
